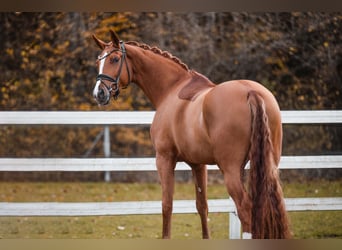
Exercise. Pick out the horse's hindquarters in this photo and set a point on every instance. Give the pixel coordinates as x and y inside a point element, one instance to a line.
<point>226,115</point>
<point>228,118</point>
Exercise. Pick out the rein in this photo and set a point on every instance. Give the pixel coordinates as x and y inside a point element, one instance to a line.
<point>115,81</point>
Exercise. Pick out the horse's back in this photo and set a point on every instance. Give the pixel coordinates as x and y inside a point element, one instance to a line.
<point>232,97</point>
<point>237,90</point>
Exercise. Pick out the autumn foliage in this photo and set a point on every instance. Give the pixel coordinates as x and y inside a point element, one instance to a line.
<point>48,63</point>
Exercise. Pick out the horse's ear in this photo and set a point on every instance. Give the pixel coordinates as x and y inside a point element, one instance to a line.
<point>99,43</point>
<point>115,38</point>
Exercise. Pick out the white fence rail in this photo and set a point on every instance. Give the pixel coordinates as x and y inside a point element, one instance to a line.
<point>148,207</point>
<point>146,164</point>
<point>140,117</point>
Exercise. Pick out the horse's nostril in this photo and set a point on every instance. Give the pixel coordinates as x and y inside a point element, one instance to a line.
<point>101,93</point>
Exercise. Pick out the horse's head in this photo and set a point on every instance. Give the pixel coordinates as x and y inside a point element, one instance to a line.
<point>110,67</point>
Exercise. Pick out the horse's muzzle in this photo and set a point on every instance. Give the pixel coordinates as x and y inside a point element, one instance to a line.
<point>101,95</point>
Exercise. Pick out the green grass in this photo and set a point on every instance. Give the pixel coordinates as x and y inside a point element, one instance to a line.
<point>326,224</point>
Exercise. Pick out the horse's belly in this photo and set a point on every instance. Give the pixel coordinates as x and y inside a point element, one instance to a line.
<point>196,155</point>
<point>192,140</point>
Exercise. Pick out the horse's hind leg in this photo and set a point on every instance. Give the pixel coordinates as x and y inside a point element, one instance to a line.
<point>200,178</point>
<point>236,190</point>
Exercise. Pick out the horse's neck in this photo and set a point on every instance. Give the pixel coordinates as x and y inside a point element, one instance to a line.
<point>155,75</point>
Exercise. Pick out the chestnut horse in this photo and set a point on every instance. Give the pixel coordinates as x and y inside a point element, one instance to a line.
<point>199,122</point>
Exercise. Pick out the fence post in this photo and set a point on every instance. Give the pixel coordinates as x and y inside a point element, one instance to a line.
<point>106,149</point>
<point>234,226</point>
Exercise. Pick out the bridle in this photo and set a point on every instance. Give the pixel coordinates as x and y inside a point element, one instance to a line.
<point>114,86</point>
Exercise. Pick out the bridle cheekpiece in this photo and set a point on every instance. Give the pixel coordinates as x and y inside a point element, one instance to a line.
<point>114,87</point>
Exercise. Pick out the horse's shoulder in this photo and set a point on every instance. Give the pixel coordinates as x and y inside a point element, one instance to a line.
<point>194,86</point>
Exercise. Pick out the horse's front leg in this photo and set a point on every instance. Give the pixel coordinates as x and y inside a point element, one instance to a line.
<point>166,166</point>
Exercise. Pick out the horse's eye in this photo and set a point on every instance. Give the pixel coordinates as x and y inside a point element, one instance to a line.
<point>114,59</point>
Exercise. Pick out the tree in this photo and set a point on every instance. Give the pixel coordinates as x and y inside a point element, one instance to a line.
<point>48,63</point>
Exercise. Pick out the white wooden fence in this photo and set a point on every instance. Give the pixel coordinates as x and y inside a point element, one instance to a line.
<point>147,164</point>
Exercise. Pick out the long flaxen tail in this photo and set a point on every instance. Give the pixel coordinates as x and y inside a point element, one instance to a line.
<point>269,218</point>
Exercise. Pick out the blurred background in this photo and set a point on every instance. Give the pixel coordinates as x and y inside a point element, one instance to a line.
<point>47,62</point>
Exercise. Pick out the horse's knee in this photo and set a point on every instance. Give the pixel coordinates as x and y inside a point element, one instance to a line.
<point>166,208</point>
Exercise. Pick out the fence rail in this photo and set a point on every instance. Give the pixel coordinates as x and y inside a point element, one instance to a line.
<point>140,117</point>
<point>148,207</point>
<point>147,164</point>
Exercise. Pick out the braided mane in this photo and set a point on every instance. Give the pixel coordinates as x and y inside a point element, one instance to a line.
<point>158,51</point>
